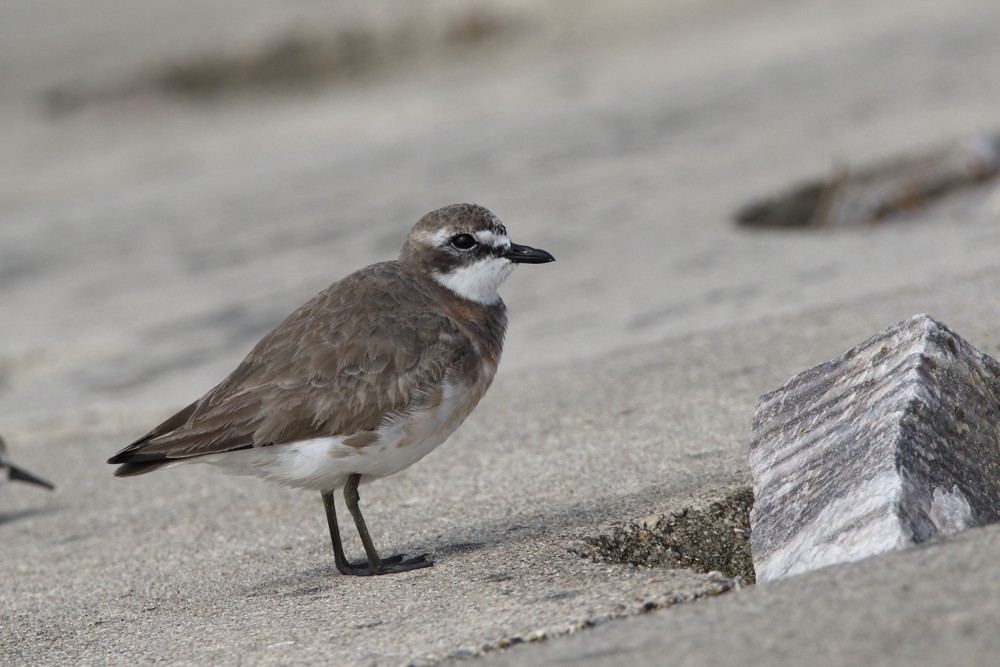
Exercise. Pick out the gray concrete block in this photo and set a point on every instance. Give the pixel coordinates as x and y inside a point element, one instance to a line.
<point>889,445</point>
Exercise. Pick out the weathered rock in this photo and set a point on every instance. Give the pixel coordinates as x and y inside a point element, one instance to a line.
<point>889,445</point>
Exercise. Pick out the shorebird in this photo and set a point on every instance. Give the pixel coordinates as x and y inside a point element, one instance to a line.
<point>363,380</point>
<point>10,472</point>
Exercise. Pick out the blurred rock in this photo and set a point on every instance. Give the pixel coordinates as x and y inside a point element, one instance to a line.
<point>869,194</point>
<point>889,445</point>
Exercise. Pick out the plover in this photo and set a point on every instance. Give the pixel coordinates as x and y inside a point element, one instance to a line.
<point>11,473</point>
<point>363,380</point>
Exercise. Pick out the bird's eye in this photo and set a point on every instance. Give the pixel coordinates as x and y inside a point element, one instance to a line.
<point>463,241</point>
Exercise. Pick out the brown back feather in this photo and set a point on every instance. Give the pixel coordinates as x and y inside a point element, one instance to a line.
<point>375,343</point>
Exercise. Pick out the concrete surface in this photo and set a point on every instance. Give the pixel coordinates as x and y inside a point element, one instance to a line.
<point>934,605</point>
<point>147,241</point>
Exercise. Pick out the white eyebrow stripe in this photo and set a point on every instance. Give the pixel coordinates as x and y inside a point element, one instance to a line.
<point>492,239</point>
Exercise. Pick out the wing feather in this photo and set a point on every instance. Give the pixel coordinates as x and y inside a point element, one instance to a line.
<point>370,345</point>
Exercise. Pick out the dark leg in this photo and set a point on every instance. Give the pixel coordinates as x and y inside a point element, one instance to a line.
<point>338,549</point>
<point>375,565</point>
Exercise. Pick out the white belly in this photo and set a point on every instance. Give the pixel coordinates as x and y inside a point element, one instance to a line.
<point>324,464</point>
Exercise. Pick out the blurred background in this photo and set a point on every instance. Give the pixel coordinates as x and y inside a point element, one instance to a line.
<point>178,176</point>
<point>175,177</point>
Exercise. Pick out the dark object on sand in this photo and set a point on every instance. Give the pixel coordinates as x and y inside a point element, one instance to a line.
<point>11,472</point>
<point>852,197</point>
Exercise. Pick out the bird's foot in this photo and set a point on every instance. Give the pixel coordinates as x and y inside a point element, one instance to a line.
<point>389,565</point>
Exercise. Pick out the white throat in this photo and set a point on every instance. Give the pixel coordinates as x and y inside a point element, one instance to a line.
<point>479,281</point>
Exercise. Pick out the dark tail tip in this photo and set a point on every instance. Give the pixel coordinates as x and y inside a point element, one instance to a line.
<point>132,468</point>
<point>23,475</point>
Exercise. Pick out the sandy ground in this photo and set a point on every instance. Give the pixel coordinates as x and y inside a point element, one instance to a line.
<point>147,240</point>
